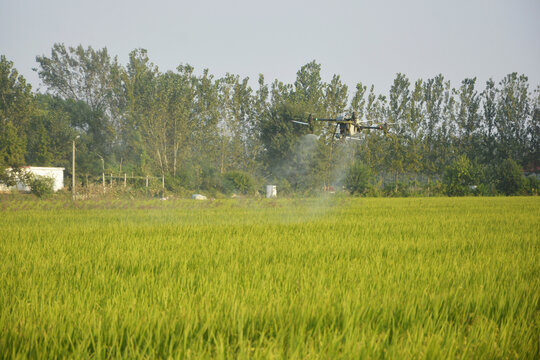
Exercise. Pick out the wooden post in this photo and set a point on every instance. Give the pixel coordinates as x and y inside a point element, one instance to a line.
<point>73,172</point>
<point>146,180</point>
<point>125,180</point>
<point>103,175</point>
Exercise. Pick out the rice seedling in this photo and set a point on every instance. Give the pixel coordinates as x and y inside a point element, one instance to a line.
<point>314,278</point>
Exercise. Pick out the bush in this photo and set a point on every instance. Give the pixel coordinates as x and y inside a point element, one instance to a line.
<point>210,178</point>
<point>10,177</point>
<point>485,189</point>
<point>510,179</point>
<point>284,187</point>
<point>459,178</point>
<point>433,188</point>
<point>41,186</point>
<point>357,180</point>
<point>238,181</point>
<point>399,189</point>
<point>185,177</point>
<point>174,184</point>
<point>375,189</point>
<point>532,185</point>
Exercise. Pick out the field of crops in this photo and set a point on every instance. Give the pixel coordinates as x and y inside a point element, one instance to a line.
<point>316,278</point>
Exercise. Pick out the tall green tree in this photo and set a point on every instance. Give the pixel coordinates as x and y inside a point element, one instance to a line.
<point>205,141</point>
<point>86,76</point>
<point>79,74</point>
<point>513,110</point>
<point>398,111</point>
<point>375,145</point>
<point>533,153</point>
<point>140,86</point>
<point>433,96</point>
<point>50,134</point>
<point>335,103</point>
<point>182,110</point>
<point>236,123</point>
<point>309,87</point>
<point>17,107</point>
<point>489,115</point>
<point>358,101</point>
<point>413,133</point>
<point>468,120</point>
<point>445,133</point>
<point>261,108</point>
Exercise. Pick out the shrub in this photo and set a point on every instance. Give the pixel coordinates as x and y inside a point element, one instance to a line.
<point>10,177</point>
<point>174,184</point>
<point>238,181</point>
<point>186,177</point>
<point>210,178</point>
<point>358,178</point>
<point>459,177</point>
<point>41,186</point>
<point>284,187</point>
<point>532,185</point>
<point>510,179</point>
<point>433,188</point>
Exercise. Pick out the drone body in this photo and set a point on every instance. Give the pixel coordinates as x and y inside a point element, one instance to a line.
<point>348,127</point>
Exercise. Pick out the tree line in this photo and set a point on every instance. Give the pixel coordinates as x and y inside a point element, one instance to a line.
<point>220,135</point>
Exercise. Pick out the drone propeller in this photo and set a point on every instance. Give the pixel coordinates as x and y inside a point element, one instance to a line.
<point>345,126</point>
<point>368,122</point>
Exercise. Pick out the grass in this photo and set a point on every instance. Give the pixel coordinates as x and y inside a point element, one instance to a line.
<point>316,278</point>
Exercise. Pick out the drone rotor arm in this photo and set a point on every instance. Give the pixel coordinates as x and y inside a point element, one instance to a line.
<point>377,127</point>
<point>328,120</point>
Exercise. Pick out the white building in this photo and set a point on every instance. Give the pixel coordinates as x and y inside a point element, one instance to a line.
<point>53,172</point>
<point>271,191</point>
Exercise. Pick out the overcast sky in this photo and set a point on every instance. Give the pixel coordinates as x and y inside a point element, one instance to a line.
<point>367,41</point>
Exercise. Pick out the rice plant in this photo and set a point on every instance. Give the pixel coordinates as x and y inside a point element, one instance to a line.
<point>315,278</point>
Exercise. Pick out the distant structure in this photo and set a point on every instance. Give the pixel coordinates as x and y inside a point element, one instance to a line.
<point>533,171</point>
<point>53,172</point>
<point>271,191</point>
<point>198,197</point>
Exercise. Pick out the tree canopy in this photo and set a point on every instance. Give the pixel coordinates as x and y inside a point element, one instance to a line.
<point>194,128</point>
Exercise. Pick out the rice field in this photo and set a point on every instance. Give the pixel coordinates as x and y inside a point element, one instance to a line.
<point>273,279</point>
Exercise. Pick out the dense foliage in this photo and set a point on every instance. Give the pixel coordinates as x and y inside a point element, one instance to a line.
<point>193,128</point>
<point>357,180</point>
<point>41,186</point>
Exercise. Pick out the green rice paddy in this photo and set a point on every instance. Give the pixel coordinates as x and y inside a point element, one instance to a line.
<point>315,278</point>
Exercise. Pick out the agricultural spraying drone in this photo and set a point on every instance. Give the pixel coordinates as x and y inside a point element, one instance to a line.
<point>346,127</point>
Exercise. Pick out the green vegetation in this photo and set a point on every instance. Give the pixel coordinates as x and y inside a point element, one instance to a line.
<point>193,128</point>
<point>41,186</point>
<point>357,179</point>
<point>459,177</point>
<point>315,278</point>
<point>237,181</point>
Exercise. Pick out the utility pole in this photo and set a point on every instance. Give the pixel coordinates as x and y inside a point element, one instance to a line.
<point>73,168</point>
<point>102,170</point>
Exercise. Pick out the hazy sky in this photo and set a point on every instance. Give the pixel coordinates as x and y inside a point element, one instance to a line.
<point>367,41</point>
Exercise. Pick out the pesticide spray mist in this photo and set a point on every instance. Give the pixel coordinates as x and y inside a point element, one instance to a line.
<point>301,168</point>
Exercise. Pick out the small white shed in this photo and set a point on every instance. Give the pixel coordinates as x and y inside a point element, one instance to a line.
<point>271,191</point>
<point>53,172</point>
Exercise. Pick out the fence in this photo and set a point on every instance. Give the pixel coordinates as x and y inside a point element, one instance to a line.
<point>112,179</point>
